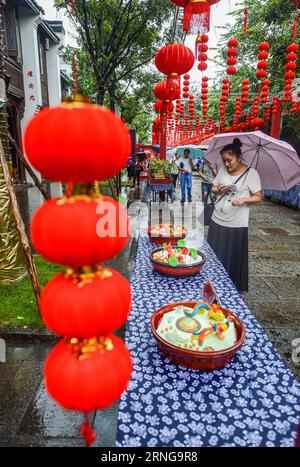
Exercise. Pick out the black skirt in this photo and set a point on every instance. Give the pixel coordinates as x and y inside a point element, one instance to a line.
<point>231,247</point>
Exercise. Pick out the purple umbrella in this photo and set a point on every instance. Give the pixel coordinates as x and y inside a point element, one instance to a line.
<point>276,161</point>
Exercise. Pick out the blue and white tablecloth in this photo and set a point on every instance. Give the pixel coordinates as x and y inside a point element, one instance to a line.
<point>253,401</point>
<point>290,197</point>
<point>157,187</point>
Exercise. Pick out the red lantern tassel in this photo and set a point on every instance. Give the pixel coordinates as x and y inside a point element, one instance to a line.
<point>295,21</point>
<point>87,432</point>
<point>246,14</point>
<point>196,17</point>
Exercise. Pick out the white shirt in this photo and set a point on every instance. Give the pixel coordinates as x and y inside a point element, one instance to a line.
<point>225,213</point>
<point>186,164</point>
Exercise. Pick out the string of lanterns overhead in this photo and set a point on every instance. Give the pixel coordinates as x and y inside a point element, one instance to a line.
<point>176,60</point>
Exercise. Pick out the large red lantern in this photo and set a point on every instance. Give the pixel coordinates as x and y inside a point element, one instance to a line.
<point>77,142</point>
<point>80,230</point>
<point>88,375</point>
<point>196,14</point>
<point>70,303</point>
<point>174,60</point>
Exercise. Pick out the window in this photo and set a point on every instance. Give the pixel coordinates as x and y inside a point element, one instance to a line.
<point>10,31</point>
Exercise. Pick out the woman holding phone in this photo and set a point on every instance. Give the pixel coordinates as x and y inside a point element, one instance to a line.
<point>237,187</point>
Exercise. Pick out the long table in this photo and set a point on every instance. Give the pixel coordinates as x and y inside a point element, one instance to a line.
<point>253,401</point>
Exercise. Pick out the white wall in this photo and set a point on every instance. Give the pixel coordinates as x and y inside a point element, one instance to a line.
<point>53,72</point>
<point>31,64</point>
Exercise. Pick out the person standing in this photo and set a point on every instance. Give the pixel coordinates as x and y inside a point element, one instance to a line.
<point>175,169</point>
<point>238,187</point>
<point>138,166</point>
<point>207,173</point>
<point>130,174</point>
<point>186,167</point>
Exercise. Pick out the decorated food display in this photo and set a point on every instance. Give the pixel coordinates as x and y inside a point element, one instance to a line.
<point>177,260</point>
<point>198,335</point>
<point>204,328</point>
<point>167,233</point>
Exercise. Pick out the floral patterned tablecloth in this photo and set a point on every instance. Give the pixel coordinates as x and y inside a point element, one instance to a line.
<point>290,197</point>
<point>157,187</point>
<point>253,401</point>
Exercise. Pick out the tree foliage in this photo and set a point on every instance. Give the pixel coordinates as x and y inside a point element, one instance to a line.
<point>118,39</point>
<point>270,21</point>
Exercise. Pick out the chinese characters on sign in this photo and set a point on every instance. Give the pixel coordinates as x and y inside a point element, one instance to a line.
<point>31,85</point>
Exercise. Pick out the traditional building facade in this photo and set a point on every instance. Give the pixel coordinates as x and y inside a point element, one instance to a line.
<point>32,56</point>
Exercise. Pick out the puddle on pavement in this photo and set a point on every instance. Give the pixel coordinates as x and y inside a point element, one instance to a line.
<point>276,231</point>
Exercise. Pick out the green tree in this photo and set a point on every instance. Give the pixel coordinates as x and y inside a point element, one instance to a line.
<point>117,39</point>
<point>270,21</point>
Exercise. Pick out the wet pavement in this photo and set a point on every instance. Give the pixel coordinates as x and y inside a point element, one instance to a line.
<point>28,417</point>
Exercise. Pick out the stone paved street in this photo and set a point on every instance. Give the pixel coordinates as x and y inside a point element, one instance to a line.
<point>30,418</point>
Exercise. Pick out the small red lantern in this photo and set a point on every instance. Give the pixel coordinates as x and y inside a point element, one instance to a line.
<point>56,143</point>
<point>163,93</point>
<point>202,66</point>
<point>158,107</point>
<point>70,303</point>
<point>80,230</point>
<point>88,375</point>
<point>257,123</point>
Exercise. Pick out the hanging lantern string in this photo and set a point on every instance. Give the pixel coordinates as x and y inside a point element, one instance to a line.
<point>175,24</point>
<point>246,14</point>
<point>295,21</point>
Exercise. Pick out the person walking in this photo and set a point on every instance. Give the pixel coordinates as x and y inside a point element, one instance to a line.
<point>238,187</point>
<point>186,167</point>
<point>207,173</point>
<point>175,169</point>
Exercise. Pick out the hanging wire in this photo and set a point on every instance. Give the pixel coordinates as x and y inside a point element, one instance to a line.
<point>175,24</point>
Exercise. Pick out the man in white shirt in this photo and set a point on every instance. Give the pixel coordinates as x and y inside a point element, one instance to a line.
<point>186,167</point>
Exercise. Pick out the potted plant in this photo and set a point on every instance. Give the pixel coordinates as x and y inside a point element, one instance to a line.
<point>160,170</point>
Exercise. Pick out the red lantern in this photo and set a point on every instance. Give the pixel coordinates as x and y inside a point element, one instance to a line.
<point>70,304</point>
<point>264,46</point>
<point>88,375</point>
<point>202,66</point>
<point>196,14</point>
<point>293,48</point>
<point>263,55</point>
<point>80,230</point>
<point>56,143</point>
<point>174,60</point>
<point>261,74</point>
<point>257,123</point>
<point>231,70</point>
<point>163,93</point>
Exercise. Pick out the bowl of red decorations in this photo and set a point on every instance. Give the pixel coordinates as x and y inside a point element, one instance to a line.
<point>166,233</point>
<point>178,261</point>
